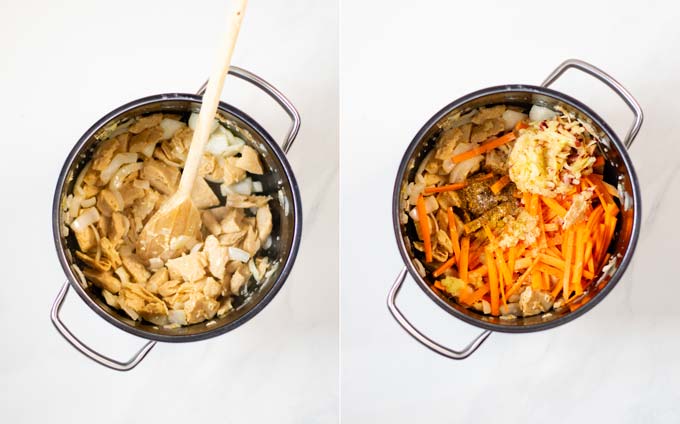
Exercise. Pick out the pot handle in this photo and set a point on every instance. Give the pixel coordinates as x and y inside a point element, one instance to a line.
<point>420,337</point>
<point>275,94</point>
<point>86,350</point>
<point>611,83</point>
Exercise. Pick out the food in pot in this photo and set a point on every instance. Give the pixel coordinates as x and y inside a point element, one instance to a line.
<point>511,212</point>
<point>131,173</point>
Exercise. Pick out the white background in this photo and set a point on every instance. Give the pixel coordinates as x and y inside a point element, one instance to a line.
<point>64,65</point>
<point>401,61</point>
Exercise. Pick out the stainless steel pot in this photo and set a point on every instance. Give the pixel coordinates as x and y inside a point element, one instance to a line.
<point>278,178</point>
<point>618,170</point>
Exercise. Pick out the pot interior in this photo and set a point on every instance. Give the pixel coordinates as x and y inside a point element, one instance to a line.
<point>618,172</point>
<point>277,181</point>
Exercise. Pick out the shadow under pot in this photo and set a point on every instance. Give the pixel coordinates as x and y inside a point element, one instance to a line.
<point>277,181</point>
<point>618,171</point>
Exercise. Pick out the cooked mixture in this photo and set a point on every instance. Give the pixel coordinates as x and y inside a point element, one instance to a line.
<point>512,214</point>
<point>130,175</point>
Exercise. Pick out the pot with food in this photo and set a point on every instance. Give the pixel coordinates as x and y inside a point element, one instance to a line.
<point>516,209</point>
<point>211,279</point>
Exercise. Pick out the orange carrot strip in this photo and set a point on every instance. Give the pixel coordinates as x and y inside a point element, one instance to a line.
<point>438,285</point>
<point>453,234</point>
<point>464,258</point>
<point>578,260</point>
<point>499,185</point>
<point>424,223</point>
<point>536,279</point>
<point>588,258</point>
<point>521,278</point>
<point>480,271</point>
<point>493,282</point>
<point>444,188</point>
<point>503,271</point>
<point>550,270</point>
<point>555,291</point>
<point>568,254</point>
<point>559,264</point>
<point>487,146</point>
<point>520,125</point>
<point>512,257</point>
<point>603,195</point>
<point>475,296</point>
<point>546,280</point>
<point>444,267</point>
<point>484,177</point>
<point>555,206</point>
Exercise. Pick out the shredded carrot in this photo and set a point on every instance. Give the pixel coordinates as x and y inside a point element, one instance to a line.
<point>475,296</point>
<point>444,188</point>
<point>568,254</point>
<point>536,279</point>
<point>424,222</point>
<point>603,195</point>
<point>512,257</point>
<point>555,206</point>
<point>546,280</point>
<point>588,259</point>
<point>453,234</point>
<point>493,282</point>
<point>499,185</point>
<point>504,272</point>
<point>438,285</point>
<point>444,267</point>
<point>464,258</point>
<point>599,162</point>
<point>550,270</point>
<point>487,146</point>
<point>578,259</point>
<point>521,278</point>
<point>520,125</point>
<point>559,264</point>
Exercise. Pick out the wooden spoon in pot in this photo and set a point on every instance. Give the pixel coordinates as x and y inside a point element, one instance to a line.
<point>178,217</point>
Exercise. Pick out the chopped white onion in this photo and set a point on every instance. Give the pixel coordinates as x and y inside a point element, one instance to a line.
<point>123,275</point>
<point>540,113</point>
<point>244,187</point>
<point>119,160</point>
<point>196,247</point>
<point>257,187</point>
<point>78,186</point>
<point>155,263</point>
<point>177,317</point>
<point>254,271</point>
<point>88,217</point>
<point>181,242</point>
<point>193,121</point>
<point>88,203</point>
<point>217,143</point>
<point>122,173</point>
<point>170,127</point>
<point>431,205</point>
<point>238,254</point>
<point>267,243</point>
<point>511,118</point>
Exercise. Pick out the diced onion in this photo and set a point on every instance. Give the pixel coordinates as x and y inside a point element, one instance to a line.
<point>122,173</point>
<point>254,271</point>
<point>123,275</point>
<point>238,254</point>
<point>540,113</point>
<point>88,203</point>
<point>119,160</point>
<point>257,187</point>
<point>78,186</point>
<point>196,247</point>
<point>181,242</point>
<point>155,263</point>
<point>193,121</point>
<point>244,187</point>
<point>267,243</point>
<point>511,118</point>
<point>170,127</point>
<point>217,143</point>
<point>88,217</point>
<point>177,317</point>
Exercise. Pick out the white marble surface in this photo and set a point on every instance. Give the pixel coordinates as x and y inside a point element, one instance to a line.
<point>66,64</point>
<point>401,61</point>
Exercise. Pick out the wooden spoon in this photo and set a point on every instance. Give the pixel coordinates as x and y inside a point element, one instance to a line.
<point>178,217</point>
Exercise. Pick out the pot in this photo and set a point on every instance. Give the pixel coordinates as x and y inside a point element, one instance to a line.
<point>618,170</point>
<point>278,181</point>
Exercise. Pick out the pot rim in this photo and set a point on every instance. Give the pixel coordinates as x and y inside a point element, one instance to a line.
<point>296,210</point>
<point>531,89</point>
